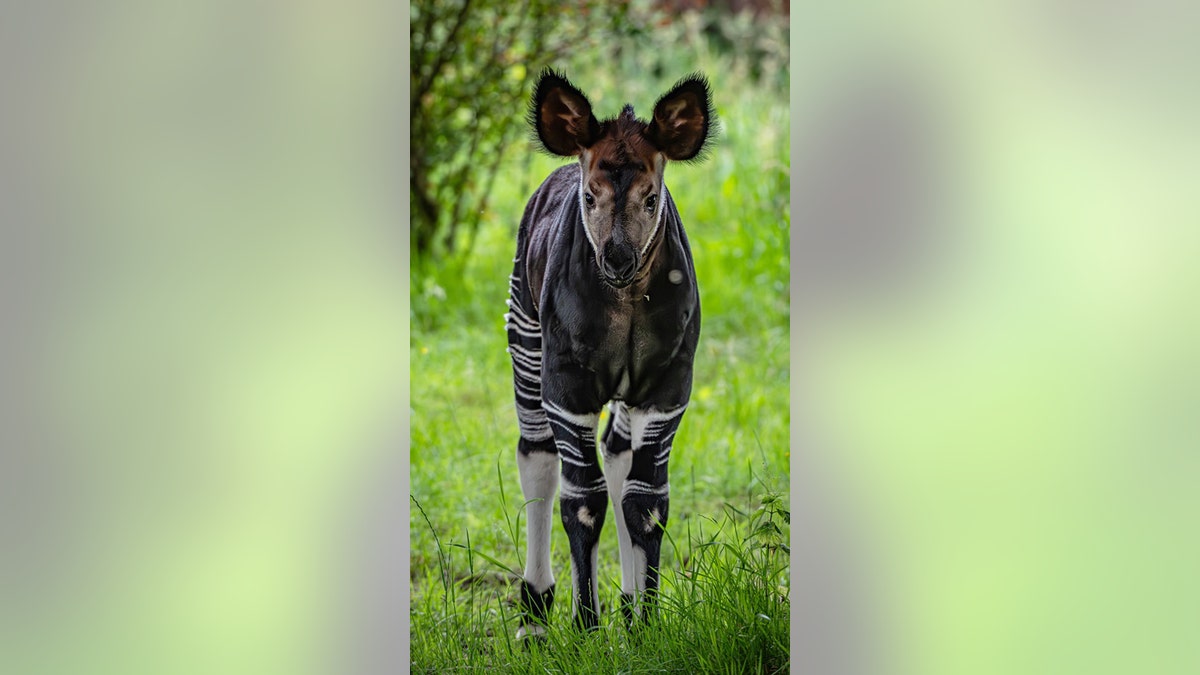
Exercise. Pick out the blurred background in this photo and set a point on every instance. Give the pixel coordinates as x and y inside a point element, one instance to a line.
<point>996,231</point>
<point>203,293</point>
<point>994,371</point>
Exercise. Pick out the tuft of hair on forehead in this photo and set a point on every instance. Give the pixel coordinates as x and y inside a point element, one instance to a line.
<point>623,141</point>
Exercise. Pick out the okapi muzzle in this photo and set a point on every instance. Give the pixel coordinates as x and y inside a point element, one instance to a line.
<point>604,309</point>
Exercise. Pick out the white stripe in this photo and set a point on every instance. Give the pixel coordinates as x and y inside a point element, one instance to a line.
<point>583,160</point>
<point>518,315</point>
<point>529,388</point>
<point>532,395</point>
<point>662,200</point>
<point>646,422</point>
<point>529,375</point>
<point>526,360</point>
<point>527,370</point>
<point>569,489</point>
<point>534,355</point>
<point>532,416</point>
<point>529,406</point>
<point>572,460</point>
<point>566,449</point>
<point>619,413</point>
<point>533,430</point>
<point>528,381</point>
<point>641,487</point>
<point>567,429</point>
<point>522,332</point>
<point>528,328</point>
<point>621,426</point>
<point>527,351</point>
<point>585,420</point>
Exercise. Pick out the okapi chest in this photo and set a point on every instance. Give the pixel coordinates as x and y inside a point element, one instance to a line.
<point>622,339</point>
<point>603,309</point>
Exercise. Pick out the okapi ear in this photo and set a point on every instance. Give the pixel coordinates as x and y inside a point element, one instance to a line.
<point>684,120</point>
<point>561,116</point>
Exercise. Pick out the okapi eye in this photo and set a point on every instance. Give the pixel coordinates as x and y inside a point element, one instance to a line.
<point>651,201</point>
<point>589,199</point>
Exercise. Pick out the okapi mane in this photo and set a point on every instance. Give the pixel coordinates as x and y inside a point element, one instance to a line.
<point>622,141</point>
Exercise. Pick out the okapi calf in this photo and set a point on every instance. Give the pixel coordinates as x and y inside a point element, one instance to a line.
<point>603,308</point>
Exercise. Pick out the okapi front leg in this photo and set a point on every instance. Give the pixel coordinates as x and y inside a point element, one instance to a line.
<point>645,498</point>
<point>583,501</point>
<point>618,456</point>
<point>537,457</point>
<point>538,464</point>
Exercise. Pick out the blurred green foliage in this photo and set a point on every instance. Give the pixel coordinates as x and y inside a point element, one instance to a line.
<point>214,304</point>
<point>1016,420</point>
<point>735,205</point>
<point>472,65</point>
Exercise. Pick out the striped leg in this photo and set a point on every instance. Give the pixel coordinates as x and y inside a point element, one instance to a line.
<point>537,459</point>
<point>583,502</point>
<point>645,496</point>
<point>618,457</point>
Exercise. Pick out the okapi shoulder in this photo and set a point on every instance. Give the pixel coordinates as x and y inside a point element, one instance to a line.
<point>554,202</point>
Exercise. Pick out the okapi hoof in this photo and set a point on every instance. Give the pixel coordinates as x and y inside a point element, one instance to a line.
<point>638,612</point>
<point>535,611</point>
<point>627,609</point>
<point>587,621</point>
<point>532,635</point>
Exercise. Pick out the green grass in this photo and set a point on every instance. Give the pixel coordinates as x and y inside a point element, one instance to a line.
<point>724,603</point>
<point>723,609</point>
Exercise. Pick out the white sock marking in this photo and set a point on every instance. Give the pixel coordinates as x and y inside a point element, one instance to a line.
<point>539,479</point>
<point>616,468</point>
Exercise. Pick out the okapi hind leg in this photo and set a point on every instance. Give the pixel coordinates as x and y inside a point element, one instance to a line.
<point>538,465</point>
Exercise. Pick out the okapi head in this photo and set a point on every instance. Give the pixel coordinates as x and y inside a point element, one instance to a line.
<point>622,159</point>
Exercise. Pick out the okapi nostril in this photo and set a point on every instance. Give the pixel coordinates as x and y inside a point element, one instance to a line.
<point>618,271</point>
<point>618,265</point>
